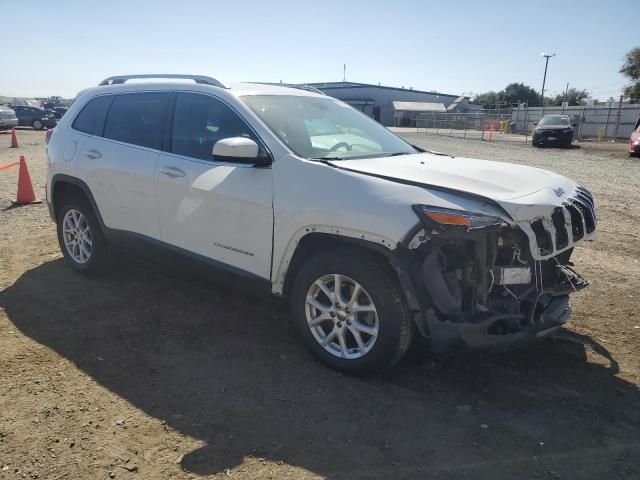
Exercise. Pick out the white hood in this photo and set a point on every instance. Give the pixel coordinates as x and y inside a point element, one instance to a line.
<point>497,181</point>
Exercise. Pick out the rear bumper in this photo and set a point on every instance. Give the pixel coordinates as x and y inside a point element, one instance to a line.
<point>8,123</point>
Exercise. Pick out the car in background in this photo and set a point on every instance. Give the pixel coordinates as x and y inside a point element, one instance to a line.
<point>634,141</point>
<point>58,112</point>
<point>8,118</point>
<point>35,117</point>
<point>553,130</point>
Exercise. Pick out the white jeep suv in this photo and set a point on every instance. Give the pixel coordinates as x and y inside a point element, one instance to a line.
<point>368,238</point>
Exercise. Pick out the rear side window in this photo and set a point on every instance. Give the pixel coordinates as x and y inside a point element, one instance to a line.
<point>199,121</point>
<point>91,119</point>
<point>137,118</point>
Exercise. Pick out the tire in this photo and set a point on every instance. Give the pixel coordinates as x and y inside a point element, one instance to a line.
<point>37,125</point>
<point>379,285</point>
<point>96,261</point>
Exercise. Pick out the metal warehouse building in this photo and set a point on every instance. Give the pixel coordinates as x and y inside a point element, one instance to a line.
<point>394,106</point>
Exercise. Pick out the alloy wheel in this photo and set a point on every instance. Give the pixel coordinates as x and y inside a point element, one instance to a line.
<point>77,237</point>
<point>341,316</point>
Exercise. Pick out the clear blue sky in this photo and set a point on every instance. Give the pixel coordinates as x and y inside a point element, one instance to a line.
<point>61,47</point>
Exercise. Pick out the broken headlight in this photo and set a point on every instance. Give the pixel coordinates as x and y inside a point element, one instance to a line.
<point>449,217</point>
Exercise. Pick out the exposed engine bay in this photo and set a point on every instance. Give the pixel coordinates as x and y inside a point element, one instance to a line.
<point>484,288</point>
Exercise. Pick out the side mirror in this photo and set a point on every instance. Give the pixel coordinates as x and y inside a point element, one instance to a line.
<point>535,123</point>
<point>239,149</point>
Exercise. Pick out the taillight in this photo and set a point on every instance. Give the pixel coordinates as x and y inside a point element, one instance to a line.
<point>47,135</point>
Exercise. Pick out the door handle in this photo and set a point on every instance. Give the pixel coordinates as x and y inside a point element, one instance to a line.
<point>173,172</point>
<point>92,154</point>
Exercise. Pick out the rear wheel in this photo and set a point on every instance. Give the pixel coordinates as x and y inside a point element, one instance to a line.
<point>349,310</point>
<point>80,237</point>
<point>37,125</point>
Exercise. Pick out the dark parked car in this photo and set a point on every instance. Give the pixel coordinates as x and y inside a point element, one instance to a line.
<point>553,130</point>
<point>634,141</point>
<point>35,117</point>
<point>60,111</point>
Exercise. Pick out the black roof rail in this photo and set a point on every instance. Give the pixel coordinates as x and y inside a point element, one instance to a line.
<point>120,79</point>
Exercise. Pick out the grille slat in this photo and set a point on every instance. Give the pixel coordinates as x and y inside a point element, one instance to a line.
<point>569,223</point>
<point>562,237</point>
<point>577,224</point>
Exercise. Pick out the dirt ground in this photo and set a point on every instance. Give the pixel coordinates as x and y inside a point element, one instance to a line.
<point>147,375</point>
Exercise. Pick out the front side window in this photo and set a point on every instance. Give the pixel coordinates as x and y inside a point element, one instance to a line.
<point>325,128</point>
<point>91,119</point>
<point>137,118</point>
<point>199,121</point>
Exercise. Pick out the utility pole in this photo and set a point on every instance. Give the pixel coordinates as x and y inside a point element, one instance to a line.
<point>544,79</point>
<point>615,133</point>
<point>344,72</point>
<point>566,93</point>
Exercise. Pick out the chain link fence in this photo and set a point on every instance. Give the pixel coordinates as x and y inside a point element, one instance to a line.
<point>613,121</point>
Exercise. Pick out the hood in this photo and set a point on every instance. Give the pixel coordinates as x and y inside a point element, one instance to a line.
<point>496,181</point>
<point>553,127</point>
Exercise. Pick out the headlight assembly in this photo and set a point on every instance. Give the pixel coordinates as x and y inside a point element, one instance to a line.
<point>446,217</point>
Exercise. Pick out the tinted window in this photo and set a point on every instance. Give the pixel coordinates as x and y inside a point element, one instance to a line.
<point>137,118</point>
<point>200,121</point>
<point>91,119</point>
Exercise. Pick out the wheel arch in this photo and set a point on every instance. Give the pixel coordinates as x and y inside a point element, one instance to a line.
<point>314,242</point>
<point>64,185</point>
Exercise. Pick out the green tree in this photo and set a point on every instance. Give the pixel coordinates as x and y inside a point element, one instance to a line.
<point>512,93</point>
<point>631,69</point>
<point>487,99</point>
<point>520,93</point>
<point>573,96</point>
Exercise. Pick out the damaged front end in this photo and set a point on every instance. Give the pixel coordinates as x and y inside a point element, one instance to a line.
<point>479,284</point>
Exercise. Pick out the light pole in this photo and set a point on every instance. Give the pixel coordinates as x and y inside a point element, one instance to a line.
<point>547,56</point>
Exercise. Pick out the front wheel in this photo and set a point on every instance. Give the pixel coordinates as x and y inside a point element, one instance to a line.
<point>350,312</point>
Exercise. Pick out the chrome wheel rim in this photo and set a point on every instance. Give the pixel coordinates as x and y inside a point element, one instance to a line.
<point>37,125</point>
<point>341,316</point>
<point>77,237</point>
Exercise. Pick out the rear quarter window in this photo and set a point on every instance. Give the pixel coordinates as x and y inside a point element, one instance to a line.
<point>137,118</point>
<point>92,117</point>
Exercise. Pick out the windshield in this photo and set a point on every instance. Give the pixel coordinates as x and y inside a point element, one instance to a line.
<point>554,120</point>
<point>325,128</point>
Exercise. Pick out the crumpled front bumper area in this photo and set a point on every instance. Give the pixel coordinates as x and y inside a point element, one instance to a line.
<point>493,332</point>
<point>484,289</point>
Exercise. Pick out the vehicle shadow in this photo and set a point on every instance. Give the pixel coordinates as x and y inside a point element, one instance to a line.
<point>227,370</point>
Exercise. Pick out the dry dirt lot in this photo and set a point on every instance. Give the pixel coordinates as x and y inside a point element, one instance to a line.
<point>141,374</point>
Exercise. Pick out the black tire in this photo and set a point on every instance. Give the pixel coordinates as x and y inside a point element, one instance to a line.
<point>98,259</point>
<point>37,125</point>
<point>381,284</point>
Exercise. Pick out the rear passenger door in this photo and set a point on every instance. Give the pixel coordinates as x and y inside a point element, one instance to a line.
<point>118,162</point>
<point>220,210</point>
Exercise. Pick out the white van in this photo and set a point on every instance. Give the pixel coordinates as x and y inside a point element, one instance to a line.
<point>368,238</point>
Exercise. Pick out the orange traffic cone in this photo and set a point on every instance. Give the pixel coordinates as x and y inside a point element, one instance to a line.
<point>14,139</point>
<point>25,187</point>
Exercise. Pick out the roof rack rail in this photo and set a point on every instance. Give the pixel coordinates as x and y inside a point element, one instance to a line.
<point>299,86</point>
<point>120,79</point>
